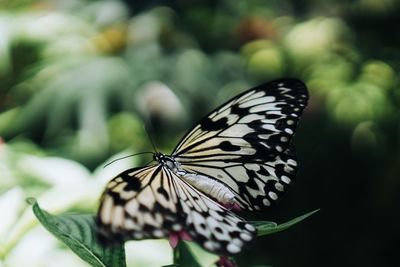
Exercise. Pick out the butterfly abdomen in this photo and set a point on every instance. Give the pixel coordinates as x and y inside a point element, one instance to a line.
<point>210,187</point>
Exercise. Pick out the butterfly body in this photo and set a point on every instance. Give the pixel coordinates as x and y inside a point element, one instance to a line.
<point>210,187</point>
<point>239,157</point>
<point>205,184</point>
<point>167,161</point>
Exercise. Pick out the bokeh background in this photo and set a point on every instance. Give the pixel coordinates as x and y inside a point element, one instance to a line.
<point>80,79</point>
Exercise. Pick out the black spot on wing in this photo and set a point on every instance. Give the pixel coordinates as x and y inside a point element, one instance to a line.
<point>133,182</point>
<point>210,125</point>
<point>203,225</point>
<point>282,124</point>
<point>163,192</point>
<point>270,186</point>
<point>235,234</point>
<point>241,225</point>
<point>263,171</point>
<point>271,116</point>
<point>251,182</point>
<point>118,201</point>
<point>218,229</point>
<point>143,208</point>
<point>228,146</point>
<point>235,109</point>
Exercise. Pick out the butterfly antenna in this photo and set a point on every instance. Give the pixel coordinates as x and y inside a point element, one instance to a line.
<point>151,139</point>
<point>140,153</point>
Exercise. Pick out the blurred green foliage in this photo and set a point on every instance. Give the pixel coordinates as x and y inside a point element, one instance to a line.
<point>80,79</point>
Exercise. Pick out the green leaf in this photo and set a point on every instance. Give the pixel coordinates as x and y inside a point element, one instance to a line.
<point>78,232</point>
<point>267,228</point>
<point>183,256</point>
<point>265,224</point>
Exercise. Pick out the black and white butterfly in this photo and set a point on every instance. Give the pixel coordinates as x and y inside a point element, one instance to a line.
<point>239,157</point>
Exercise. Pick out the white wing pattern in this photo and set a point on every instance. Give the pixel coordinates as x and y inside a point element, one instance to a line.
<point>238,157</point>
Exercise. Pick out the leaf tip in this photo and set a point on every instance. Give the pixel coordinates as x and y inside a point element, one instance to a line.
<point>313,212</point>
<point>31,200</point>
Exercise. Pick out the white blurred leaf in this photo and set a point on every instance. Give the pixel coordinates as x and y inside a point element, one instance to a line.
<point>55,171</point>
<point>148,253</point>
<point>39,248</point>
<point>10,205</point>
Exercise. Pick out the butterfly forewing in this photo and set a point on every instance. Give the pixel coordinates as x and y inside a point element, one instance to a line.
<point>139,203</point>
<point>246,143</point>
<point>263,118</point>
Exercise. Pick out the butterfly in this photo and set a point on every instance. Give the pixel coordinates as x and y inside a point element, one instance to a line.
<point>239,157</point>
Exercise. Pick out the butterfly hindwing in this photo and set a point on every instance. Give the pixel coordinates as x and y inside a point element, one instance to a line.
<point>214,227</point>
<point>255,184</point>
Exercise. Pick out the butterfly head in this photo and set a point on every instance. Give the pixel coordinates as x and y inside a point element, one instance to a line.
<point>159,157</point>
<point>165,160</point>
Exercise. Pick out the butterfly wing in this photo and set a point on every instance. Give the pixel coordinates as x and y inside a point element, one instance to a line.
<point>139,203</point>
<point>246,143</point>
<point>212,226</point>
<point>153,202</point>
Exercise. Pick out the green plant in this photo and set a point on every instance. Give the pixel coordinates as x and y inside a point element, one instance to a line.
<point>78,232</point>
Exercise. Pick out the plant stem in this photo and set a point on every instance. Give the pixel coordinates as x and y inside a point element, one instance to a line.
<point>176,255</point>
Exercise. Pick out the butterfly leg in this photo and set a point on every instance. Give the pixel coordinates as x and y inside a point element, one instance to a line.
<point>174,237</point>
<point>225,262</point>
<point>233,206</point>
